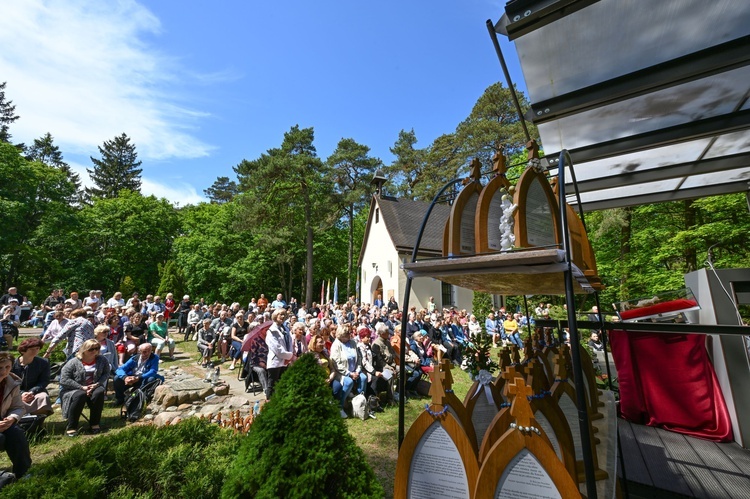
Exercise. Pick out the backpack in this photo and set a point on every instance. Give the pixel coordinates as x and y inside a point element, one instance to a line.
<point>10,328</point>
<point>135,402</point>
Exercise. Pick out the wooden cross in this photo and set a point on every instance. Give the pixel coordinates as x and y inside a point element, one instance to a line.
<point>561,365</point>
<point>515,354</point>
<point>520,407</point>
<point>504,357</point>
<point>437,392</point>
<point>499,165</point>
<point>476,170</point>
<point>447,365</point>
<point>510,374</point>
<point>535,376</point>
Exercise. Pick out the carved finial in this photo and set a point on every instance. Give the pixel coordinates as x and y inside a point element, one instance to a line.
<point>533,149</point>
<point>520,407</point>
<point>534,162</point>
<point>476,169</point>
<point>535,376</point>
<point>437,392</point>
<point>447,365</point>
<point>499,165</point>
<point>504,356</point>
<point>561,364</point>
<point>528,348</point>
<point>515,354</point>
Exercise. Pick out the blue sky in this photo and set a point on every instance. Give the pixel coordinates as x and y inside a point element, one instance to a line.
<point>199,86</point>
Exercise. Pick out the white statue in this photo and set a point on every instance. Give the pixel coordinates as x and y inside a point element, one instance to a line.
<point>507,238</point>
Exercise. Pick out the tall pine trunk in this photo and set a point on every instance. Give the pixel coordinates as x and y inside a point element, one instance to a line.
<point>350,262</point>
<point>309,243</point>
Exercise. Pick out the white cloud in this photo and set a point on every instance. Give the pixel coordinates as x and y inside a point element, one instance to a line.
<point>83,71</point>
<point>176,192</point>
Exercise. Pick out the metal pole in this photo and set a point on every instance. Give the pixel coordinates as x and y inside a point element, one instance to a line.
<point>528,317</point>
<point>603,334</point>
<point>405,312</point>
<point>496,43</point>
<point>575,352</point>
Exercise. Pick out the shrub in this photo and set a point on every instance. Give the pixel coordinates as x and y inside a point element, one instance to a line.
<point>186,460</point>
<point>299,445</point>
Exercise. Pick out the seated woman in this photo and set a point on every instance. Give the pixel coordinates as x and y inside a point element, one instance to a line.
<point>317,348</point>
<point>417,346</point>
<point>344,356</point>
<point>107,348</point>
<point>193,322</point>
<point>12,437</point>
<point>34,374</point>
<point>83,381</point>
<point>158,336</point>
<point>206,342</point>
<point>368,374</point>
<point>237,334</point>
<point>116,335</point>
<point>136,333</point>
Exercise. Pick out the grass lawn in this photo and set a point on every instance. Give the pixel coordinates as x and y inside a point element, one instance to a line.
<point>378,438</point>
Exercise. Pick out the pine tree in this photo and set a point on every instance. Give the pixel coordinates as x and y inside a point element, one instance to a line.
<point>45,151</point>
<point>299,445</point>
<point>222,191</point>
<point>7,114</point>
<point>116,170</point>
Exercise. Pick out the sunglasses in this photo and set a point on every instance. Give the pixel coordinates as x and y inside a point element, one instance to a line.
<point>94,349</point>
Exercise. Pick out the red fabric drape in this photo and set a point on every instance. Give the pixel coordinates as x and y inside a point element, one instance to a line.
<point>667,380</point>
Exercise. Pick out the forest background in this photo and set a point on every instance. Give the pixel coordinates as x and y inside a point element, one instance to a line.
<point>290,221</point>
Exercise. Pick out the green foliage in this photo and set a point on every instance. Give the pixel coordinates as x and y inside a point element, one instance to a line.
<point>171,280</point>
<point>352,168</point>
<point>492,125</point>
<point>645,250</point>
<point>7,114</point>
<point>117,169</point>
<point>129,235</point>
<point>127,286</point>
<point>222,190</point>
<point>287,197</point>
<point>481,305</point>
<point>190,459</point>
<point>478,355</point>
<point>299,445</point>
<point>34,203</point>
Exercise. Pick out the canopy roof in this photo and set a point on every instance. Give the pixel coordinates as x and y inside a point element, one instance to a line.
<point>649,97</point>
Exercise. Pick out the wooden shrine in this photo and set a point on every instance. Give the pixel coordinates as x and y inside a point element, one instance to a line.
<point>522,463</point>
<point>506,239</point>
<point>437,458</point>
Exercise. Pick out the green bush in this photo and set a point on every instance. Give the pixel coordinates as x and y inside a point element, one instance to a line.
<point>299,445</point>
<point>186,460</point>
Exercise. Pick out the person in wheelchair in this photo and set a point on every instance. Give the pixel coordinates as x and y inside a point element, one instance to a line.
<point>137,371</point>
<point>256,360</point>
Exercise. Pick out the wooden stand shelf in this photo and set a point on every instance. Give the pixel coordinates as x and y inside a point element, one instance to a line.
<point>518,272</point>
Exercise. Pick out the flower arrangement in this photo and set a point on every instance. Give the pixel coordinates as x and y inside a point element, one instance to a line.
<point>478,355</point>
